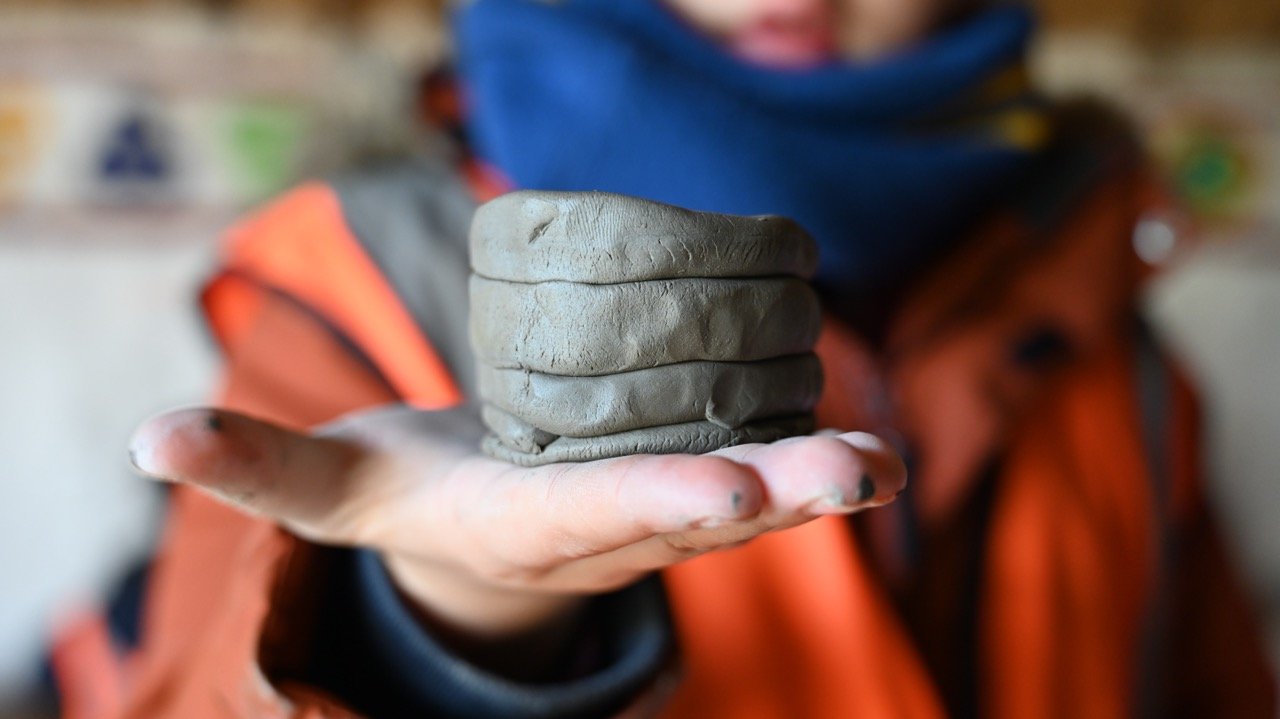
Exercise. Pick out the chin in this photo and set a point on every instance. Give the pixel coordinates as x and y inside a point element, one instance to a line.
<point>787,52</point>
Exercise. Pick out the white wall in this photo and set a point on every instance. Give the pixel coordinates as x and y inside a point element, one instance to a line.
<point>98,322</point>
<point>94,339</point>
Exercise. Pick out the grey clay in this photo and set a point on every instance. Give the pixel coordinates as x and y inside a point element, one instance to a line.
<point>602,238</point>
<point>607,325</point>
<point>689,438</point>
<point>729,394</point>
<point>576,329</point>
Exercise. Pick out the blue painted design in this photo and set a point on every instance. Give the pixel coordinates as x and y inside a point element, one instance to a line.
<point>134,153</point>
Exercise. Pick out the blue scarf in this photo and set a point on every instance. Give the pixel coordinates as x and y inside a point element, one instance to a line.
<point>885,163</point>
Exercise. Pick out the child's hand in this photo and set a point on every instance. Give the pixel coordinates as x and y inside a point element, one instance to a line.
<point>490,550</point>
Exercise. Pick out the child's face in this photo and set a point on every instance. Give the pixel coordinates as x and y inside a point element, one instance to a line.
<point>799,33</point>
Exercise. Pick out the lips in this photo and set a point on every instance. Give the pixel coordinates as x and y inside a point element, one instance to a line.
<point>791,43</point>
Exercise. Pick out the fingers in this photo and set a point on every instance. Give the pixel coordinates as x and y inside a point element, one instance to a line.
<point>399,481</point>
<point>824,474</point>
<point>258,466</point>
<point>535,519</point>
<point>802,478</point>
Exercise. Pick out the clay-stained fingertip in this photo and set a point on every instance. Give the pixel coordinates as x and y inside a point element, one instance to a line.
<point>183,445</point>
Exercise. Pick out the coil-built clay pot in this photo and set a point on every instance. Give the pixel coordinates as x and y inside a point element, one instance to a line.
<point>607,325</point>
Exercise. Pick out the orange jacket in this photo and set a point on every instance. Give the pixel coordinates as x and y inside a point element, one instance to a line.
<point>1098,588</point>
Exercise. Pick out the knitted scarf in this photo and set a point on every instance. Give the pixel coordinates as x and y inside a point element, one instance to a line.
<point>885,162</point>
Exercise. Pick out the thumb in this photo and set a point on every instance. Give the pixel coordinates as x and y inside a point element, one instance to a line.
<point>261,467</point>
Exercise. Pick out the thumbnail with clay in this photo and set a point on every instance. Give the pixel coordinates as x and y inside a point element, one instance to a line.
<point>607,325</point>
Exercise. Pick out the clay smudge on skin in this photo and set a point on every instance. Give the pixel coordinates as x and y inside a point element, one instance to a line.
<point>866,488</point>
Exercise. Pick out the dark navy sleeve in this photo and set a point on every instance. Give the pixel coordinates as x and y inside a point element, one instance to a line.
<point>375,655</point>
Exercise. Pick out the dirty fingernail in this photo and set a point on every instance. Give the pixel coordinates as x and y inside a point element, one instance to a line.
<point>837,501</point>
<point>740,506</point>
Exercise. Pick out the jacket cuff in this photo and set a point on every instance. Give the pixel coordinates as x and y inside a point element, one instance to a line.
<point>385,664</point>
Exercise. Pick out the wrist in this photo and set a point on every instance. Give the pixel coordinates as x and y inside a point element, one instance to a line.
<point>511,632</point>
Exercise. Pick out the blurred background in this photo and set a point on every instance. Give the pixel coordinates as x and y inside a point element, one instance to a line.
<point>133,133</point>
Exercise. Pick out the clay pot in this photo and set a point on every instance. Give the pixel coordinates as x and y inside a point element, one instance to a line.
<point>607,325</point>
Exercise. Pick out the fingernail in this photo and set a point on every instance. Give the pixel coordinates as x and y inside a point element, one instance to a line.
<point>833,503</point>
<point>143,464</point>
<point>837,502</point>
<point>142,461</point>
<point>709,522</point>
